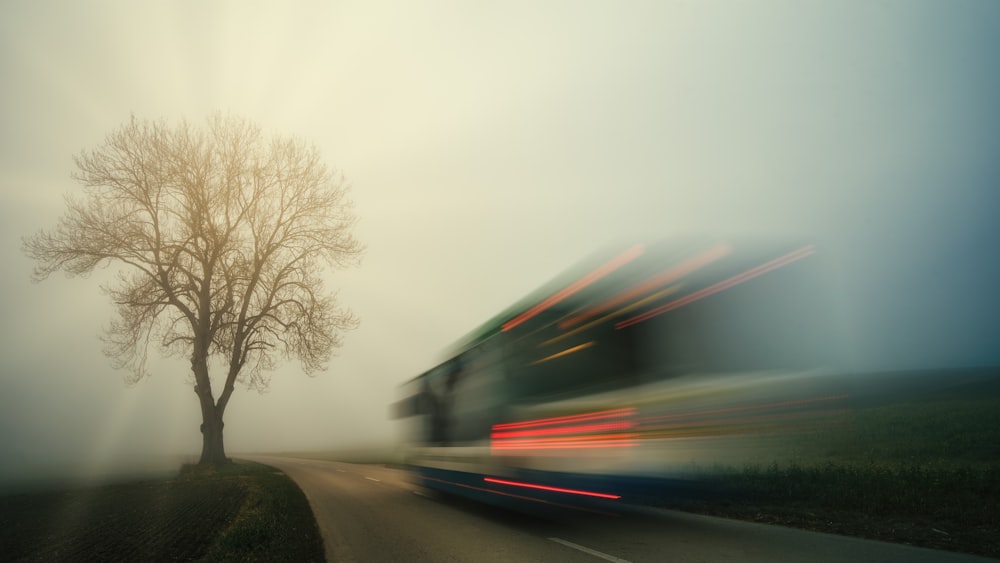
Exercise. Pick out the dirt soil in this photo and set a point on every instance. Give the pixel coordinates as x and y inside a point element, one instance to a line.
<point>136,522</point>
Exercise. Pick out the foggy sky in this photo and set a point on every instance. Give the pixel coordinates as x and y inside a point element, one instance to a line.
<point>491,146</point>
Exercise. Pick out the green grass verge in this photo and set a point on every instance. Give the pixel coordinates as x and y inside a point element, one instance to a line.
<point>921,472</point>
<point>942,433</point>
<point>243,512</point>
<point>961,494</point>
<point>275,523</point>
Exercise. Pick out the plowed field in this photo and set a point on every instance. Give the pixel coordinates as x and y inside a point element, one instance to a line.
<point>174,521</point>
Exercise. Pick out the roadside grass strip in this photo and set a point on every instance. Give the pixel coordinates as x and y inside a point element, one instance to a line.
<point>244,512</point>
<point>925,473</point>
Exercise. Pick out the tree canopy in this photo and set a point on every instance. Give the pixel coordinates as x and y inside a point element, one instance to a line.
<point>223,236</point>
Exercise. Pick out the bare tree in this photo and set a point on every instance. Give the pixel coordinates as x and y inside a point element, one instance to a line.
<point>223,236</point>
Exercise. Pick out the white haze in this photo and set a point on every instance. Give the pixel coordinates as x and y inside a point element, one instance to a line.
<point>490,146</point>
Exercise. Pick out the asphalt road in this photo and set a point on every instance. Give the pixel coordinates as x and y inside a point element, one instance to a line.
<point>370,513</point>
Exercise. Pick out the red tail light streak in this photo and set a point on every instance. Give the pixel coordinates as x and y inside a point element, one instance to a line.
<point>601,429</point>
<point>580,429</point>
<point>579,443</point>
<point>552,489</point>
<point>598,415</point>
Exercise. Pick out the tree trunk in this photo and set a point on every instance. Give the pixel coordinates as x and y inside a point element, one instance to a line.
<point>213,450</point>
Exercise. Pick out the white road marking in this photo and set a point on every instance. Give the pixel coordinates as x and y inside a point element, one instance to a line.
<point>372,479</point>
<point>421,494</point>
<point>589,551</point>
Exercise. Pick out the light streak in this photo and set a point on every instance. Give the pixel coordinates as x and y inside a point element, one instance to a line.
<point>520,497</point>
<point>567,432</point>
<point>553,489</point>
<point>580,429</point>
<point>614,264</point>
<point>565,352</point>
<point>745,408</point>
<point>568,439</point>
<point>598,415</point>
<point>564,445</point>
<point>720,286</point>
<point>673,274</point>
<point>733,425</point>
<point>627,308</point>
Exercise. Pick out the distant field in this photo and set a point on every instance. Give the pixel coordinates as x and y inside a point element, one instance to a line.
<point>247,512</point>
<point>924,470</point>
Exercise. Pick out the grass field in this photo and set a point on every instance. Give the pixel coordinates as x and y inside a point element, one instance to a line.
<point>925,471</point>
<point>245,512</point>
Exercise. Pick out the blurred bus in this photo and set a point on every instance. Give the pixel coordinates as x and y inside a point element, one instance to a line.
<point>629,374</point>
